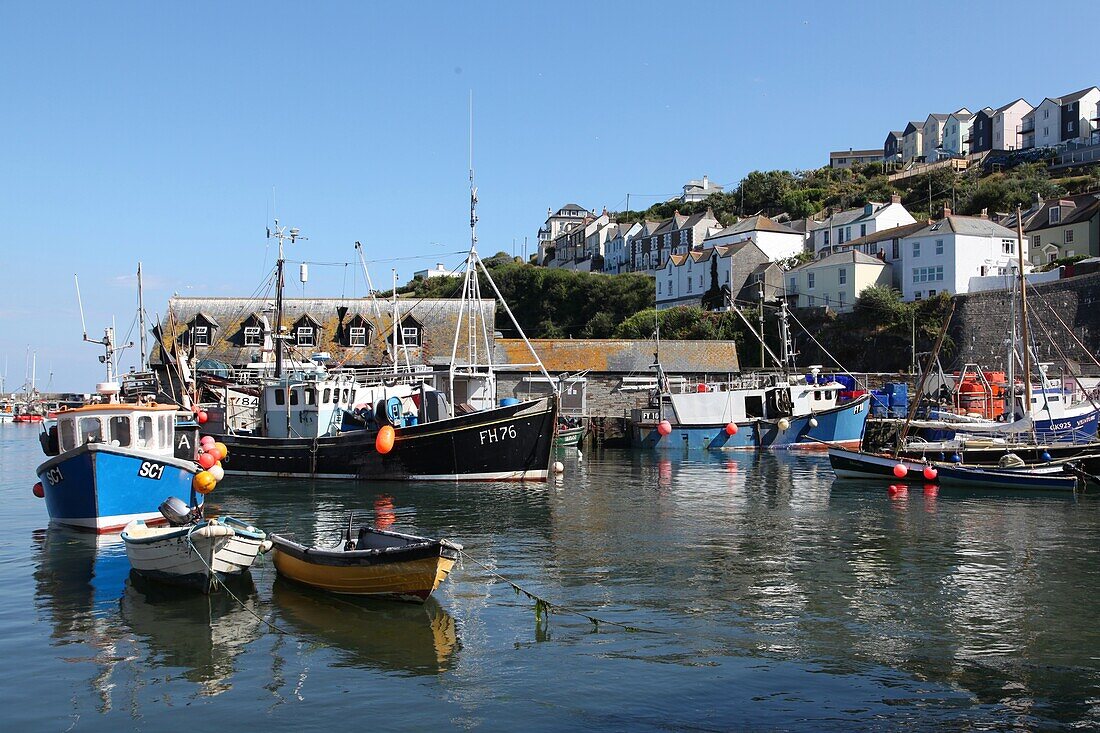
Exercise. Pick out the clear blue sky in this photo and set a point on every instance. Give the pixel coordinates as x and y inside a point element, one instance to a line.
<point>157,131</point>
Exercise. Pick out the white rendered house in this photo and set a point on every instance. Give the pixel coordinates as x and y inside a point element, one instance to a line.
<point>852,224</point>
<point>778,241</point>
<point>943,256</point>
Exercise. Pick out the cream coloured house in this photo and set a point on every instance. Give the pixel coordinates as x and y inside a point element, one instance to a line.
<point>836,281</point>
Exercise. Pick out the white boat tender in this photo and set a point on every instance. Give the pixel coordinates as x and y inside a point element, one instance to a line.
<point>198,555</point>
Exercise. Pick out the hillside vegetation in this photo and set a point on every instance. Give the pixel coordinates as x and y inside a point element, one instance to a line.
<point>875,336</point>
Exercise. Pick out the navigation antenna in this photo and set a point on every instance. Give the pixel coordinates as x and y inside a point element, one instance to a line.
<point>109,388</point>
<point>473,370</point>
<point>281,233</point>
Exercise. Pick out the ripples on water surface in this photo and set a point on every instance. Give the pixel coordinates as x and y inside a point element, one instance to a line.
<point>784,600</point>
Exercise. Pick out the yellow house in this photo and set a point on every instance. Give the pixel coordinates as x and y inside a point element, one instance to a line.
<point>835,281</point>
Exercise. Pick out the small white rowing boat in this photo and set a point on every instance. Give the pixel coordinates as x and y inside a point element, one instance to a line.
<point>198,555</point>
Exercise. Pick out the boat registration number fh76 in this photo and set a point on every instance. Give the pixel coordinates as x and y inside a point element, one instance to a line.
<point>152,470</point>
<point>497,435</point>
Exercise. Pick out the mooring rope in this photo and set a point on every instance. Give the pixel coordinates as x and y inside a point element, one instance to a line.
<point>225,587</point>
<point>544,606</point>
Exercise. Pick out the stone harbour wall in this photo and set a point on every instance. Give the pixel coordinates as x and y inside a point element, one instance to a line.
<point>980,326</point>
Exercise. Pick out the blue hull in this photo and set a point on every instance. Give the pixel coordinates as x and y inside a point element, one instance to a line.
<point>1070,429</point>
<point>842,425</point>
<point>101,488</point>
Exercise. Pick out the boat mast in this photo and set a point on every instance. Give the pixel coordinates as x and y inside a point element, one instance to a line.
<point>1023,310</point>
<point>281,234</point>
<point>141,321</point>
<point>1010,407</point>
<point>396,325</point>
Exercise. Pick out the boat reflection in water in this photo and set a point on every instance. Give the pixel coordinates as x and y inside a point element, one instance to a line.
<point>382,635</point>
<point>79,577</point>
<point>84,587</point>
<point>202,634</point>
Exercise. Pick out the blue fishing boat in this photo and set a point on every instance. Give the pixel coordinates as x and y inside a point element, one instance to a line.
<point>718,420</point>
<point>113,462</point>
<point>777,410</point>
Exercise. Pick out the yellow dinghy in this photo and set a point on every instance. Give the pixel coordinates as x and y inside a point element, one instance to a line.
<point>376,564</point>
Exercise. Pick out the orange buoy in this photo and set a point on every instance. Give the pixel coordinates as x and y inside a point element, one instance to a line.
<point>220,451</point>
<point>39,491</point>
<point>731,429</point>
<point>384,442</point>
<point>204,482</point>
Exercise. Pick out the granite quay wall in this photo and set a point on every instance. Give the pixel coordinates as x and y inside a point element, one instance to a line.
<point>981,324</point>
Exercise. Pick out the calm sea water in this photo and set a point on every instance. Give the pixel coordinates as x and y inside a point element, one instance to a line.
<point>781,600</point>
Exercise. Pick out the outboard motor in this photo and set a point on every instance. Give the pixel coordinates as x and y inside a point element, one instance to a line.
<point>176,512</point>
<point>49,441</point>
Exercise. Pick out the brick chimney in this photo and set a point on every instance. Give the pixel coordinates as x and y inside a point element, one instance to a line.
<point>895,199</point>
<point>984,214</point>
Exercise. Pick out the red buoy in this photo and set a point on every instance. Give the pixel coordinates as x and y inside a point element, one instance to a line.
<point>39,491</point>
<point>930,473</point>
<point>202,417</point>
<point>900,470</point>
<point>731,429</point>
<point>383,443</point>
<point>664,427</point>
<point>207,460</point>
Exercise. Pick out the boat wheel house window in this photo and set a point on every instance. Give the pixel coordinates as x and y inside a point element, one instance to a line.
<point>120,430</point>
<point>91,430</point>
<point>145,432</point>
<point>67,431</point>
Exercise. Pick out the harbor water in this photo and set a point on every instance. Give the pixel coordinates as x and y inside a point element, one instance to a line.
<point>759,592</point>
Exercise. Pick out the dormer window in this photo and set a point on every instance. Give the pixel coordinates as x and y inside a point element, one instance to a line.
<point>201,335</point>
<point>410,332</point>
<point>305,336</point>
<point>1054,215</point>
<point>357,336</point>
<point>252,336</point>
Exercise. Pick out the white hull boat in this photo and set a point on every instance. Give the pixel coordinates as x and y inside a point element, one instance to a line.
<point>198,555</point>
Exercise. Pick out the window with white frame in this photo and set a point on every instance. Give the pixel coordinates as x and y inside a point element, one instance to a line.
<point>357,336</point>
<point>1054,215</point>
<point>1052,256</point>
<point>842,276</point>
<point>939,246</point>
<point>927,274</point>
<point>810,280</point>
<point>304,336</point>
<point>251,335</point>
<point>916,249</point>
<point>1068,237</point>
<point>201,335</point>
<point>410,335</point>
<point>1035,241</point>
<point>1008,246</point>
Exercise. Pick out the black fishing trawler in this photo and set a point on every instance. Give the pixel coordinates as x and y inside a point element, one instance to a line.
<point>305,419</point>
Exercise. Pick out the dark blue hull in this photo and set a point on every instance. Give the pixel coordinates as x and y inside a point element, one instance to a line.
<point>101,488</point>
